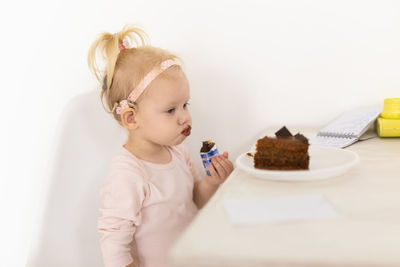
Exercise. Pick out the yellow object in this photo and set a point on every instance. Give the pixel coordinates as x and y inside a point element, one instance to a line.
<point>391,108</point>
<point>388,127</point>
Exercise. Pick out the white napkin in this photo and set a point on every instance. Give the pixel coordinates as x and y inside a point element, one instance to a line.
<point>278,210</point>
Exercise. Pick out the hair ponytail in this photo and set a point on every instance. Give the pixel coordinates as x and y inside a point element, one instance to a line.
<point>109,47</point>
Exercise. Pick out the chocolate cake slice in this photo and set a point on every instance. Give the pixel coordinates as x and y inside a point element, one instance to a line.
<point>283,152</point>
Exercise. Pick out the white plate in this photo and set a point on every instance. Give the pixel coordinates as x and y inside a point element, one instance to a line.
<point>325,162</point>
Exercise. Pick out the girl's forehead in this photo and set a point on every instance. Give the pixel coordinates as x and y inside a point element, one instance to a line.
<point>171,85</point>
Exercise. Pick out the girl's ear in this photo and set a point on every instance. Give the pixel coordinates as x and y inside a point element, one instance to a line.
<point>128,119</point>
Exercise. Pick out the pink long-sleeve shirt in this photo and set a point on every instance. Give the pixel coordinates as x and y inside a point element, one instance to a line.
<point>145,206</point>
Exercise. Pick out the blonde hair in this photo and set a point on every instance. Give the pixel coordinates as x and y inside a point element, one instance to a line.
<point>125,68</point>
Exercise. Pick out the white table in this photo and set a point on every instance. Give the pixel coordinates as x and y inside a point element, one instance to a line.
<point>368,235</point>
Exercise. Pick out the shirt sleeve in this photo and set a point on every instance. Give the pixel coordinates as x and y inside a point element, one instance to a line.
<point>189,162</point>
<point>122,197</point>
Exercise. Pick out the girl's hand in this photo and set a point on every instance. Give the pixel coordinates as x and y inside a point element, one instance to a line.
<point>223,167</point>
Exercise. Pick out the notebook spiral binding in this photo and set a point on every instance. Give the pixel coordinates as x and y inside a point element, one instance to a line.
<point>337,135</point>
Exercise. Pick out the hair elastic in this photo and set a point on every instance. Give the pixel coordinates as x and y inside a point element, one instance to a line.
<point>134,95</point>
<point>124,44</point>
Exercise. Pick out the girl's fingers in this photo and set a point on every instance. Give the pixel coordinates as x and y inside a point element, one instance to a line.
<point>230,164</point>
<point>226,164</point>
<point>213,172</point>
<point>220,169</point>
<point>225,158</point>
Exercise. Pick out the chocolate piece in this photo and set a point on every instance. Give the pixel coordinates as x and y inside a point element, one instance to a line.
<point>249,154</point>
<point>283,132</point>
<point>207,145</point>
<point>301,138</point>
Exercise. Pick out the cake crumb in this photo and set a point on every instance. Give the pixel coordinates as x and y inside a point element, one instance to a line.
<point>249,154</point>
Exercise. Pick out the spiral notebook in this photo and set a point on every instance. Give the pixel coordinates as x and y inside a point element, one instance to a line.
<point>347,128</point>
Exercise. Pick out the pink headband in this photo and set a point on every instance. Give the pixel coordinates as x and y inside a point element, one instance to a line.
<point>134,95</point>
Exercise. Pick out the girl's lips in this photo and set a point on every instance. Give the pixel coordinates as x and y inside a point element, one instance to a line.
<point>186,131</point>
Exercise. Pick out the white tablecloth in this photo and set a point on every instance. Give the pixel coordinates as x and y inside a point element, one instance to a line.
<point>367,235</point>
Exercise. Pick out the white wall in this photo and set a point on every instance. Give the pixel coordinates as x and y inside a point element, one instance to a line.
<point>251,64</point>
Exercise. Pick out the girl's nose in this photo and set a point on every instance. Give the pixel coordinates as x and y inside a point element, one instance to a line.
<point>184,117</point>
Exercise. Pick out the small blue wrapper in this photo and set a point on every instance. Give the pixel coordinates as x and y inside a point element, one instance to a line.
<point>206,157</point>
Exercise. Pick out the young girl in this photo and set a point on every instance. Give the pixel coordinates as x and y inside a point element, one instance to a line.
<point>152,190</point>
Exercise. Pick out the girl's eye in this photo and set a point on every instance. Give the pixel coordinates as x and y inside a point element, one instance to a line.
<point>185,105</point>
<point>171,110</point>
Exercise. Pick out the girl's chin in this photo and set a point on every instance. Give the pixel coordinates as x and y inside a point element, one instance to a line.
<point>174,142</point>
<point>179,140</point>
